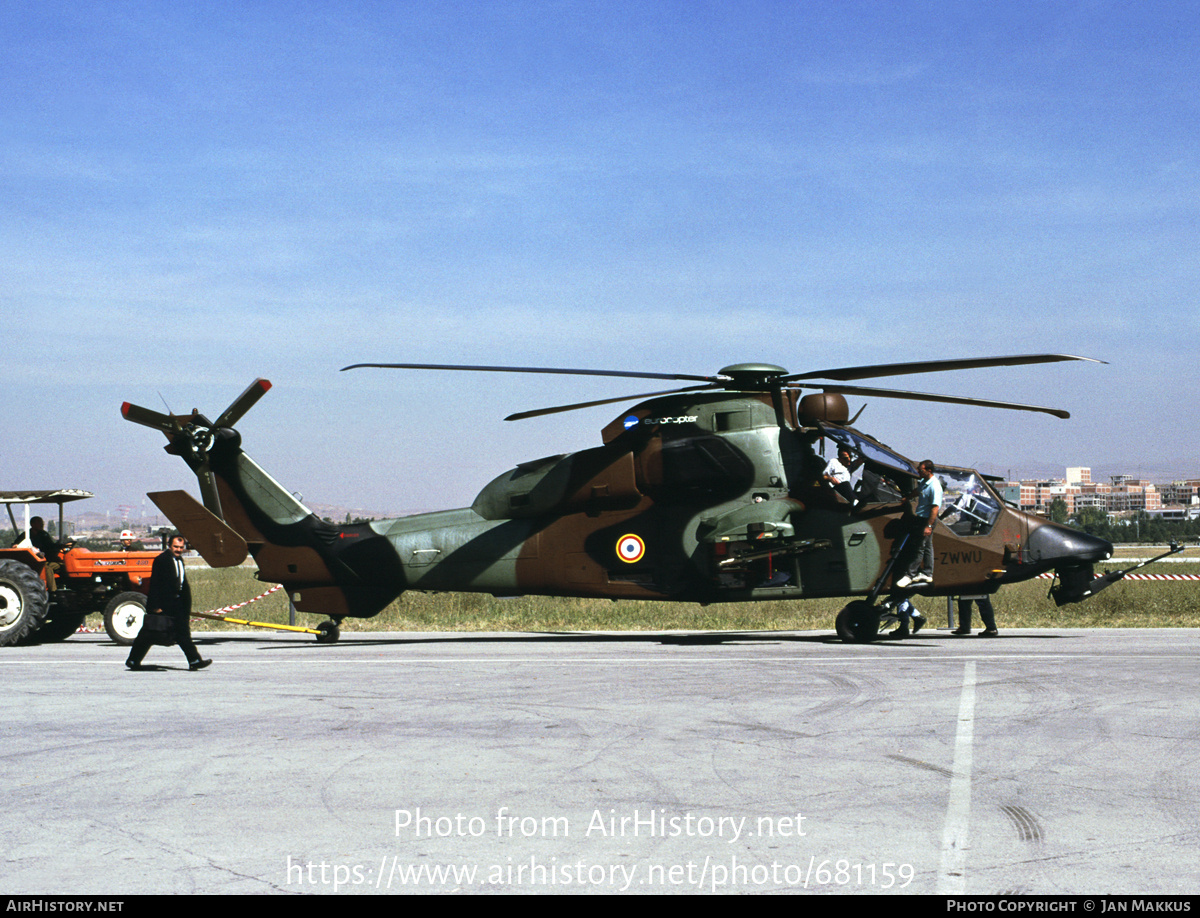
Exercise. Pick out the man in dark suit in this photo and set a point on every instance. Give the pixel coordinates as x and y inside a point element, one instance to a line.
<point>168,607</point>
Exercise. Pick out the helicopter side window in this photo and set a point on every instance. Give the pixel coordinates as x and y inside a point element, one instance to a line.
<point>706,464</point>
<point>724,421</point>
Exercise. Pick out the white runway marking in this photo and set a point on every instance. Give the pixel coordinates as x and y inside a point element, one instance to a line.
<point>952,877</point>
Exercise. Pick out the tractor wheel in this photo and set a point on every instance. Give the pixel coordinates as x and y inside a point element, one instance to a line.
<point>858,623</point>
<point>59,628</point>
<point>23,602</point>
<point>123,617</point>
<point>329,633</point>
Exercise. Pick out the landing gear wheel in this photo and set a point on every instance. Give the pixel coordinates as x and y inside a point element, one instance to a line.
<point>23,602</point>
<point>329,633</point>
<point>858,623</point>
<point>59,628</point>
<point>123,617</point>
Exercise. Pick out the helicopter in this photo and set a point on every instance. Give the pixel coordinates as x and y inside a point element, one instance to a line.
<point>708,492</point>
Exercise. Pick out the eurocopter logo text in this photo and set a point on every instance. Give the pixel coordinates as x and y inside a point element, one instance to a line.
<point>632,420</point>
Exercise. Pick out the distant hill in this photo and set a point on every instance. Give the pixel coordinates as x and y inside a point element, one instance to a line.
<point>95,522</point>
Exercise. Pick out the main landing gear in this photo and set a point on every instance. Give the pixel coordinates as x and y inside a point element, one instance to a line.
<point>860,621</point>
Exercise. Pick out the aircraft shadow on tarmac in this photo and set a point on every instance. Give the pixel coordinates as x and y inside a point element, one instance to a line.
<point>580,637</point>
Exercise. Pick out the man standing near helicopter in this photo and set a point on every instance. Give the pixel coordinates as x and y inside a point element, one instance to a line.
<point>929,501</point>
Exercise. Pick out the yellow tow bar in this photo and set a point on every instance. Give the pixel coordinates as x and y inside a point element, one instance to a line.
<point>327,633</point>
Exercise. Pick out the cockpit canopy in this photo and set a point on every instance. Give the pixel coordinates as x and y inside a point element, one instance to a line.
<point>872,452</point>
<point>970,507</point>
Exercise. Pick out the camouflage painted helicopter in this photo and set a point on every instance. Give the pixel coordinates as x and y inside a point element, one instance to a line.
<point>708,493</point>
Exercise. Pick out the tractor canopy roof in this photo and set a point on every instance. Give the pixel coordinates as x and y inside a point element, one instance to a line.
<point>60,496</point>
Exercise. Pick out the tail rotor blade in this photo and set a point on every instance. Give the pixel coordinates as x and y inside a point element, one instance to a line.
<point>243,403</point>
<point>147,418</point>
<point>208,490</point>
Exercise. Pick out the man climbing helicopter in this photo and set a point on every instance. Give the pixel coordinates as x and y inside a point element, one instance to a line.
<point>928,495</point>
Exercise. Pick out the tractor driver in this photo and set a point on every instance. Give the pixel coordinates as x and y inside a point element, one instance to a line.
<point>41,540</point>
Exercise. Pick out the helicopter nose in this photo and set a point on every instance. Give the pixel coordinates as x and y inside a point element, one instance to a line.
<point>1054,544</point>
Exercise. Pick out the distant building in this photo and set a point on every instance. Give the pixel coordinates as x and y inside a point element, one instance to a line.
<point>1179,512</point>
<point>1079,476</point>
<point>1184,493</point>
<point>1120,494</point>
<point>1132,494</point>
<point>1036,496</point>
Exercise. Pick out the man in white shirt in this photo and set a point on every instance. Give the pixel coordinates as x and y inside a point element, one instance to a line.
<point>837,473</point>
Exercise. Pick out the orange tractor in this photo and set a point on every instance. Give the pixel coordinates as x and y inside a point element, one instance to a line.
<point>43,598</point>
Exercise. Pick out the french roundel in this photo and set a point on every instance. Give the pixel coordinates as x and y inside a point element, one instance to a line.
<point>631,548</point>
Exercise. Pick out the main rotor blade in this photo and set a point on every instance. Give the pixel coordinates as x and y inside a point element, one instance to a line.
<point>932,366</point>
<point>522,415</point>
<point>243,403</point>
<point>147,418</point>
<point>948,399</point>
<point>563,371</point>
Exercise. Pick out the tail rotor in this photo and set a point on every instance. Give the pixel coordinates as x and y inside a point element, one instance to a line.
<point>193,435</point>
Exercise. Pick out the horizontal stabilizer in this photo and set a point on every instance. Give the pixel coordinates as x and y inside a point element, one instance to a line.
<point>219,545</point>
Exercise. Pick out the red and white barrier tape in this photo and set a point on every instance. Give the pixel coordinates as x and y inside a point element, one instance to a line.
<point>278,586</point>
<point>1142,576</point>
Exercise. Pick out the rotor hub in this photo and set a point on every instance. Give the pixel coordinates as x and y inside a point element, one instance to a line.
<point>752,374</point>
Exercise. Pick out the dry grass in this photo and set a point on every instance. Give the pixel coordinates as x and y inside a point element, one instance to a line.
<point>1128,604</point>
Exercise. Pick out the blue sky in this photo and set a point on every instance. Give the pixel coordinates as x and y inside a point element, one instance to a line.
<point>197,194</point>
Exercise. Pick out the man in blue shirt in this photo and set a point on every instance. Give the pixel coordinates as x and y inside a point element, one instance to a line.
<point>929,502</point>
